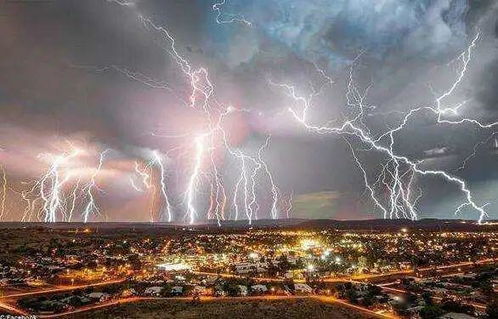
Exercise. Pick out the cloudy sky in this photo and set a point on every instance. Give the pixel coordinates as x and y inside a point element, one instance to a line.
<point>99,75</point>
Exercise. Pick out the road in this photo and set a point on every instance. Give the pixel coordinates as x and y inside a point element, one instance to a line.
<point>354,277</point>
<point>401,291</point>
<point>412,272</point>
<point>229,275</point>
<point>60,289</point>
<point>12,310</point>
<point>17,311</point>
<point>481,307</point>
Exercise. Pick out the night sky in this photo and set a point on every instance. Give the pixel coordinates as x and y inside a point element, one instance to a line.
<point>92,74</point>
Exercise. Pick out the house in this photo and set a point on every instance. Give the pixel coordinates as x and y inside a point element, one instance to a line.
<point>246,267</point>
<point>51,306</point>
<point>177,290</point>
<point>128,292</point>
<point>414,310</point>
<point>302,288</point>
<point>75,300</point>
<point>454,315</point>
<point>259,288</point>
<point>440,291</point>
<point>210,280</point>
<point>292,259</point>
<point>201,290</point>
<point>219,291</point>
<point>242,290</point>
<point>153,291</point>
<point>495,283</point>
<point>99,296</point>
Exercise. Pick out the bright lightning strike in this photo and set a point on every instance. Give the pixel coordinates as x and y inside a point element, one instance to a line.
<point>91,207</point>
<point>51,188</point>
<point>394,173</point>
<point>60,191</point>
<point>193,180</point>
<point>204,143</point>
<point>159,161</point>
<point>224,18</point>
<point>4,193</point>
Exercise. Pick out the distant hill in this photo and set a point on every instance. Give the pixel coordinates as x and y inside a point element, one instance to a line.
<point>328,204</point>
<point>372,224</point>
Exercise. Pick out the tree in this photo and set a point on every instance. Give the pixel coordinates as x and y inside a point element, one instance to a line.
<point>272,270</point>
<point>427,296</point>
<point>451,305</point>
<point>135,262</point>
<point>492,309</point>
<point>75,301</point>
<point>284,264</point>
<point>231,289</point>
<point>400,308</point>
<point>351,295</point>
<point>486,287</point>
<point>166,291</point>
<point>411,298</point>
<point>88,290</point>
<point>367,301</point>
<point>374,290</point>
<point>431,312</point>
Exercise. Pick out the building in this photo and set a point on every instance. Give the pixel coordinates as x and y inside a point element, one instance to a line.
<point>454,315</point>
<point>247,267</point>
<point>99,296</point>
<point>259,288</point>
<point>173,267</point>
<point>302,288</point>
<point>153,291</point>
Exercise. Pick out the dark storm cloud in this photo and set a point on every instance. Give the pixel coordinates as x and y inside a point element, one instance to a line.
<point>46,38</point>
<point>488,92</point>
<point>405,47</point>
<point>56,79</point>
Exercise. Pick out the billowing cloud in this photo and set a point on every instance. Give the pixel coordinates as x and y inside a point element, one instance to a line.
<point>62,80</point>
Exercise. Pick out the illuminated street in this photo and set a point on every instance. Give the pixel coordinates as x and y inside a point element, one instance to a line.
<point>249,159</point>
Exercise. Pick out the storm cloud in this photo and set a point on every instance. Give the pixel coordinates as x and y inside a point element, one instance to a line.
<point>65,77</point>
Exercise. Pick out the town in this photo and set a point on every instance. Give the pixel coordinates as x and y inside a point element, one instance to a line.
<point>405,273</point>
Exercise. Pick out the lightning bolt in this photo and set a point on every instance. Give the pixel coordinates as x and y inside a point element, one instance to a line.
<point>398,174</point>
<point>144,175</point>
<point>123,3</point>
<point>274,189</point>
<point>474,151</point>
<point>229,18</point>
<point>145,180</point>
<point>204,143</point>
<point>289,205</point>
<point>75,197</point>
<point>399,166</point>
<point>51,186</point>
<point>59,190</point>
<point>134,185</point>
<point>91,207</point>
<point>193,180</point>
<point>4,193</point>
<point>158,160</point>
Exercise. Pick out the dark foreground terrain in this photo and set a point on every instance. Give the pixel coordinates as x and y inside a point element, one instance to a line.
<point>299,308</point>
